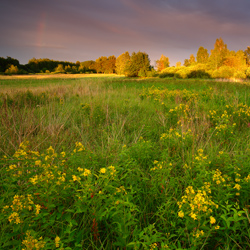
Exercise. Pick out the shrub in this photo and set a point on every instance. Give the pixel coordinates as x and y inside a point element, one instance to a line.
<point>199,74</point>
<point>12,70</point>
<point>223,72</point>
<point>240,75</point>
<point>168,72</point>
<point>248,72</point>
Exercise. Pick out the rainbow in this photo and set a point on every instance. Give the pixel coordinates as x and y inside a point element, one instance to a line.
<point>40,33</point>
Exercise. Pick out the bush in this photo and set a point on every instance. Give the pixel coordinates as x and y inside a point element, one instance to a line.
<point>168,72</point>
<point>182,73</point>
<point>223,72</point>
<point>12,70</point>
<point>199,74</point>
<point>240,75</point>
<point>248,72</point>
<point>22,72</point>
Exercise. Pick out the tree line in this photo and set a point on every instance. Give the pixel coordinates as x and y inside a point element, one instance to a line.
<point>221,62</point>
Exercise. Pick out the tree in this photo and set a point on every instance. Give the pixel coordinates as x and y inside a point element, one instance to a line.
<point>190,61</point>
<point>138,65</point>
<point>162,63</point>
<point>12,70</point>
<point>74,70</point>
<point>60,69</point>
<point>110,65</point>
<point>236,60</point>
<point>178,64</point>
<point>5,63</point>
<point>247,54</point>
<point>202,55</point>
<point>68,69</point>
<point>218,54</point>
<point>87,66</point>
<point>186,63</point>
<point>121,62</point>
<point>100,64</point>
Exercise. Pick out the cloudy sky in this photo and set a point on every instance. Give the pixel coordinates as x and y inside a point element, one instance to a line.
<point>71,30</point>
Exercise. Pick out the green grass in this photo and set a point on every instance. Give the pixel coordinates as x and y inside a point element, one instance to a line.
<point>119,163</point>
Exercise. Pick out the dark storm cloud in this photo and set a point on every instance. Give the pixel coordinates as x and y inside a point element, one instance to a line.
<point>82,30</point>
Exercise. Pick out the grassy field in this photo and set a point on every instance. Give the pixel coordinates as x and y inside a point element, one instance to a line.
<point>119,163</point>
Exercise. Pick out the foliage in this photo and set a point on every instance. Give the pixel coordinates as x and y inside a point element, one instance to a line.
<point>247,54</point>
<point>202,55</point>
<point>162,63</point>
<point>218,54</point>
<point>224,72</point>
<point>236,60</point>
<point>178,64</point>
<point>12,70</point>
<point>5,63</point>
<point>60,68</point>
<point>121,62</point>
<point>138,65</point>
<point>105,65</point>
<point>87,67</point>
<point>190,62</point>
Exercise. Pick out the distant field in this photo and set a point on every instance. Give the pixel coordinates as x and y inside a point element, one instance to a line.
<point>100,162</point>
<point>9,84</point>
<point>42,76</point>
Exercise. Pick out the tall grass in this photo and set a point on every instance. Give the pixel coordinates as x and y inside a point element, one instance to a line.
<point>124,164</point>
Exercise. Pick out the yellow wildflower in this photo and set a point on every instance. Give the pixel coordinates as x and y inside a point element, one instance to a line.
<point>34,179</point>
<point>86,172</point>
<point>50,150</point>
<point>57,240</point>
<point>103,170</point>
<point>181,214</point>
<point>75,178</point>
<point>14,216</point>
<point>38,208</point>
<point>38,163</point>
<point>194,216</point>
<point>153,246</point>
<point>212,220</point>
<point>237,186</point>
<point>12,166</point>
<point>63,154</point>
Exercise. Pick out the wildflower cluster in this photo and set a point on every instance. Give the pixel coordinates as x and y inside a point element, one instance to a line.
<point>79,147</point>
<point>197,204</point>
<point>21,206</point>
<point>161,94</point>
<point>86,108</point>
<point>175,134</point>
<point>239,112</point>
<point>31,242</point>
<point>161,165</point>
<point>218,178</point>
<point>57,241</point>
<point>181,109</point>
<point>200,158</point>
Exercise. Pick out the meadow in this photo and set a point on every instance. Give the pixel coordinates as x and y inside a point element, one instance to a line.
<point>124,163</point>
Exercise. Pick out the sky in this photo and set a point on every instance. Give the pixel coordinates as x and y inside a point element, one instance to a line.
<point>81,30</point>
